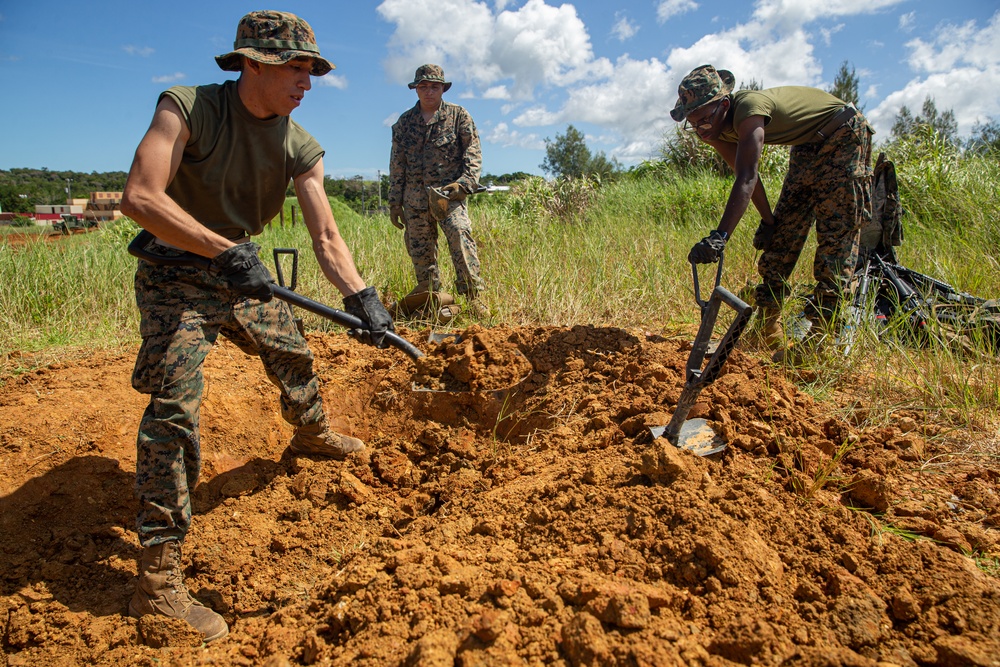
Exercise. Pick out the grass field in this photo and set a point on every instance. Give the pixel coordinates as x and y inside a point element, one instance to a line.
<point>575,253</point>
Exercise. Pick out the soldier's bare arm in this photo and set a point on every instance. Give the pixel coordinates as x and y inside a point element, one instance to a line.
<point>334,256</point>
<point>744,158</point>
<point>145,198</point>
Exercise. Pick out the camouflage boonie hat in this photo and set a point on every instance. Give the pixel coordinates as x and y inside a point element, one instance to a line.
<point>274,38</point>
<point>703,85</point>
<point>429,73</point>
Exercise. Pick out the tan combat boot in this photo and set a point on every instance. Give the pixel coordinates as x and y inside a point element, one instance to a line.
<point>771,331</point>
<point>318,440</point>
<point>161,590</point>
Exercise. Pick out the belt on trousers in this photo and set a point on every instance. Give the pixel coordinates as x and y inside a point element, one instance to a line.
<point>841,117</point>
<point>242,238</point>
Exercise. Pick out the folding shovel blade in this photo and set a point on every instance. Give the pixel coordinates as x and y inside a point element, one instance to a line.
<point>695,436</point>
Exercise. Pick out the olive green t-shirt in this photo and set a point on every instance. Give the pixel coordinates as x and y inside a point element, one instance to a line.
<point>235,168</point>
<point>792,114</point>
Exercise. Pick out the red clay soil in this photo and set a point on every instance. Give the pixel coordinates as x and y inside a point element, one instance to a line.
<point>537,523</point>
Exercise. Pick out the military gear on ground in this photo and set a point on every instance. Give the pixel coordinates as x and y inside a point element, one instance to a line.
<point>161,590</point>
<point>318,440</point>
<point>243,271</point>
<point>274,38</point>
<point>426,303</point>
<point>885,230</point>
<point>396,216</point>
<point>707,250</point>
<point>702,86</point>
<point>764,235</point>
<point>367,306</point>
<point>455,192</point>
<point>432,73</point>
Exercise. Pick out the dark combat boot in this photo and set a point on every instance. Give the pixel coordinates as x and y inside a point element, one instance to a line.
<point>161,590</point>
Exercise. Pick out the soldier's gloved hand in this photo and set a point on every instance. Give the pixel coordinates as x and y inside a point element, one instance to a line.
<point>366,306</point>
<point>455,191</point>
<point>708,250</point>
<point>764,235</point>
<point>396,216</point>
<point>243,271</point>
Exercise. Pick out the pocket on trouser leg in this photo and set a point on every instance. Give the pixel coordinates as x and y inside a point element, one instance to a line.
<point>147,375</point>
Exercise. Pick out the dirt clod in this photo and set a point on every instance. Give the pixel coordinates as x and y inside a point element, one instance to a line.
<point>528,519</point>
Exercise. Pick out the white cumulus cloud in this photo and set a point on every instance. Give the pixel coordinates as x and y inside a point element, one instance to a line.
<point>959,67</point>
<point>170,78</point>
<point>503,135</point>
<point>623,29</point>
<point>143,51</point>
<point>331,81</point>
<point>536,45</point>
<point>667,9</point>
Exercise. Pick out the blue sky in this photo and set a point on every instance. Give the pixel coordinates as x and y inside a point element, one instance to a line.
<point>80,80</point>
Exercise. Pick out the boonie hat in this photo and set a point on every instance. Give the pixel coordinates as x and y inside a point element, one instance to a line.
<point>274,38</point>
<point>429,73</point>
<point>702,86</point>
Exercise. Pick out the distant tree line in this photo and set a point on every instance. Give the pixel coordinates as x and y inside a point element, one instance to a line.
<point>22,189</point>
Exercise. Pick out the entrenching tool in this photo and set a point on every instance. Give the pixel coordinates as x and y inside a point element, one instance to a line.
<point>137,248</point>
<point>696,435</point>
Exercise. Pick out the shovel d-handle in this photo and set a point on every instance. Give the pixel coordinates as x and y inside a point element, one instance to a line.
<point>294,252</point>
<point>698,377</point>
<point>703,303</point>
<point>137,248</point>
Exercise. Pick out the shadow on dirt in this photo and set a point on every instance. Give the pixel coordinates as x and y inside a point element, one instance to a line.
<point>68,529</point>
<point>73,533</point>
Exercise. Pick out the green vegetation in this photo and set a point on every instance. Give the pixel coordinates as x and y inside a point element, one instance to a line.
<point>582,250</point>
<point>568,156</point>
<point>22,189</point>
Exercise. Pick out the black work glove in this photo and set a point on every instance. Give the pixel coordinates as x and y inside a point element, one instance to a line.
<point>764,235</point>
<point>708,250</point>
<point>243,271</point>
<point>366,306</point>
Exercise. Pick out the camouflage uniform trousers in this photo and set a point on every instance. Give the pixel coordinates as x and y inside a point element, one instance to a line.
<point>183,312</point>
<point>421,237</point>
<point>829,181</point>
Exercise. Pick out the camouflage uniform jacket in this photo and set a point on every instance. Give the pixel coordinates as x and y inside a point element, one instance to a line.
<point>445,150</point>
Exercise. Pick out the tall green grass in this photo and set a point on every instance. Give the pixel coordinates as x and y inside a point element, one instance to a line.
<point>580,252</point>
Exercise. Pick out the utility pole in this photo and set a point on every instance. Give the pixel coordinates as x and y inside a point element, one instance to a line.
<point>379,172</point>
<point>69,190</point>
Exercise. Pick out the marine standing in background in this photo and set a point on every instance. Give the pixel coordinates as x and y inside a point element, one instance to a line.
<point>435,164</point>
<point>828,180</point>
<point>209,173</point>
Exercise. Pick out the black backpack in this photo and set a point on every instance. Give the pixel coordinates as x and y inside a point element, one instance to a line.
<point>885,229</point>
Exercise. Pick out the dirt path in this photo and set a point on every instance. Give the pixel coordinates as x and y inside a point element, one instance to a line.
<point>540,525</point>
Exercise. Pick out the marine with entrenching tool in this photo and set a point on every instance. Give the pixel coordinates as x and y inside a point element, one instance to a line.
<point>210,172</point>
<point>828,181</point>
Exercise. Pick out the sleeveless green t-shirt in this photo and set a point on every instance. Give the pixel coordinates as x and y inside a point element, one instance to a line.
<point>236,168</point>
<point>792,114</point>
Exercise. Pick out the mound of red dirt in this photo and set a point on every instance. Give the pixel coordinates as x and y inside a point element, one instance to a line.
<point>529,518</point>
